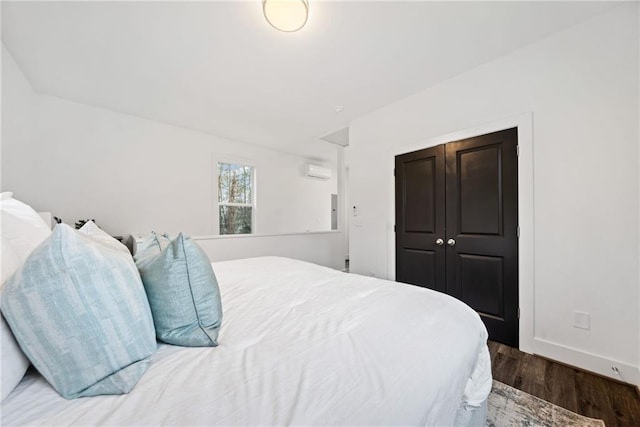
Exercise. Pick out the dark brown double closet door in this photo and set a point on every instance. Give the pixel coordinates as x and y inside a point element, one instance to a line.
<point>457,225</point>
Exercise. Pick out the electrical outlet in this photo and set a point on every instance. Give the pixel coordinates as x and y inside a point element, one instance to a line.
<point>581,319</point>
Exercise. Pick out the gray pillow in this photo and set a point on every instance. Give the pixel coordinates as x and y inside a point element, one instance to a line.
<point>153,244</point>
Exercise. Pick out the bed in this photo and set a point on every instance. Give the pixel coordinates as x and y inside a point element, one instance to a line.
<point>300,345</point>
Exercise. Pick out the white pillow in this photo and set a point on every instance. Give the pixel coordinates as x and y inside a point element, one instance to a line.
<point>21,231</point>
<point>14,363</point>
<point>22,226</point>
<point>96,233</point>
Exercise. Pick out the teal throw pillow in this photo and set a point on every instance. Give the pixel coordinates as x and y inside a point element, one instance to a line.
<point>183,293</point>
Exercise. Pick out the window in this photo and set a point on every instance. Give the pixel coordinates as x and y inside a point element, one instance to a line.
<point>235,198</point>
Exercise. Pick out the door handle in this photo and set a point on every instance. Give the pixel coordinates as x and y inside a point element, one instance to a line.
<point>439,242</point>
<point>451,242</point>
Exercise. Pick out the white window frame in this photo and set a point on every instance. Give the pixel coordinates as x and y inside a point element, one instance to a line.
<point>252,205</point>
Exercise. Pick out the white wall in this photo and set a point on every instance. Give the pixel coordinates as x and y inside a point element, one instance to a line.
<point>18,118</point>
<point>288,200</point>
<point>581,88</point>
<point>324,248</point>
<point>135,175</point>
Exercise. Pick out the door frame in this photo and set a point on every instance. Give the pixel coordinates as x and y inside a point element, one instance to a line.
<point>524,123</point>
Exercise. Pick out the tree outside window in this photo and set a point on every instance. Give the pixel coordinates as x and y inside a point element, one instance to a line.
<point>235,198</point>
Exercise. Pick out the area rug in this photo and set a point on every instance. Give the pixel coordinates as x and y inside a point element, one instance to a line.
<point>508,406</point>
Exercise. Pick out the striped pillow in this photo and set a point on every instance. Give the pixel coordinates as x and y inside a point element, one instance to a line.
<point>78,310</point>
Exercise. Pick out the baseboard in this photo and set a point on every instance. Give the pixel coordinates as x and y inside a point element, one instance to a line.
<point>591,362</point>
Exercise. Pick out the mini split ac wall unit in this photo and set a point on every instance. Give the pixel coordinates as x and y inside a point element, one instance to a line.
<point>316,171</point>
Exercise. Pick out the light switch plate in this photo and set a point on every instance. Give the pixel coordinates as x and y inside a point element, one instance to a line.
<point>581,319</point>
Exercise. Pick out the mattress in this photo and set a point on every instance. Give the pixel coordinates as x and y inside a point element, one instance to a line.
<point>300,345</point>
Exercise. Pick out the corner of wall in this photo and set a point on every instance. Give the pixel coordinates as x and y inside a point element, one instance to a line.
<point>13,66</point>
<point>637,6</point>
<point>18,118</point>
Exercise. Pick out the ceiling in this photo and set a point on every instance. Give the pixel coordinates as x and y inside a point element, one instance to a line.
<point>219,67</point>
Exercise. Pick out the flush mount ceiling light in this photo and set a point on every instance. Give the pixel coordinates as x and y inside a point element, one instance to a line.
<point>286,15</point>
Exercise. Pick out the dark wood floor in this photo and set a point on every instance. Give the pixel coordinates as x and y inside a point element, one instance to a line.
<point>587,394</point>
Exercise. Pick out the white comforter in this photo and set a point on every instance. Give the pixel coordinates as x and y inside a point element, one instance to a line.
<point>300,344</point>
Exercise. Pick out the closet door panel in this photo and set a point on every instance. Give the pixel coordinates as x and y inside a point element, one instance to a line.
<point>482,224</point>
<point>420,217</point>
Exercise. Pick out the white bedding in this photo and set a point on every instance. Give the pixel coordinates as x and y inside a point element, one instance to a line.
<point>300,344</point>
